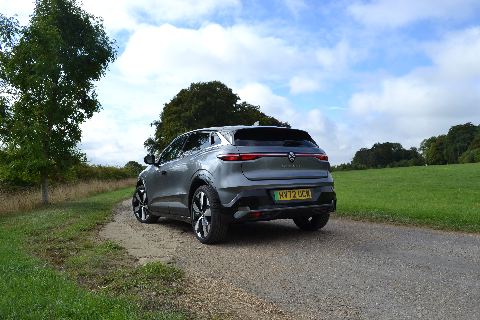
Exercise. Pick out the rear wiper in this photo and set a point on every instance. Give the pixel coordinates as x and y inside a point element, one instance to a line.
<point>292,143</point>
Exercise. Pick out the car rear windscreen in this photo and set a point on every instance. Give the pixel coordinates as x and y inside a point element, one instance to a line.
<point>273,137</point>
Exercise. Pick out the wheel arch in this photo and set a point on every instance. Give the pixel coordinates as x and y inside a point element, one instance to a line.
<point>200,179</point>
<point>140,183</point>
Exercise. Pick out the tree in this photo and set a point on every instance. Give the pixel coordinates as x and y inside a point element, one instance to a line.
<point>475,142</point>
<point>47,71</point>
<point>383,154</point>
<point>425,148</point>
<point>134,167</point>
<point>458,140</point>
<point>386,154</point>
<point>202,105</point>
<point>414,157</point>
<point>361,157</point>
<point>436,152</point>
<point>473,152</point>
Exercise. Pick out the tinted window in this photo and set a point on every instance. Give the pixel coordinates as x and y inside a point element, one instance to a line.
<point>273,137</point>
<point>171,152</point>
<point>197,141</point>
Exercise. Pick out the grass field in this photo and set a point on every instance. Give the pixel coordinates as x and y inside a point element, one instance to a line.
<point>441,197</point>
<point>51,267</point>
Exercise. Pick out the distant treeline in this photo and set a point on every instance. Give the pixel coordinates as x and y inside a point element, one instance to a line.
<point>460,145</point>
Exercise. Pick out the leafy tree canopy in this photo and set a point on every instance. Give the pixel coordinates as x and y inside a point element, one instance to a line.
<point>427,143</point>
<point>47,71</point>
<point>451,147</point>
<point>134,167</point>
<point>436,152</point>
<point>458,140</point>
<point>475,143</point>
<point>203,105</point>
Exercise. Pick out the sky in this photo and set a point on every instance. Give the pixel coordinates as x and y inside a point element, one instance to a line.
<point>352,73</point>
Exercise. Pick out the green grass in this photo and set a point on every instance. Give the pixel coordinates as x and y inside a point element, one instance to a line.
<point>51,267</point>
<point>440,197</point>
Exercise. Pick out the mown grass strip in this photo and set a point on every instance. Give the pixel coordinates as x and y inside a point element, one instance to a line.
<point>51,267</point>
<point>441,197</point>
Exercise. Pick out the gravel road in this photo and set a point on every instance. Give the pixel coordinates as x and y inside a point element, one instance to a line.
<point>348,269</point>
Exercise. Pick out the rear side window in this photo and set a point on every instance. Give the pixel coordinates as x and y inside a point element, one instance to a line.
<point>215,139</point>
<point>273,137</point>
<point>228,136</point>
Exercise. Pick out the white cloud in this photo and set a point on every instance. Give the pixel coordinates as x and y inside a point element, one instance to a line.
<point>457,56</point>
<point>449,88</point>
<point>270,103</point>
<point>428,100</point>
<point>300,84</point>
<point>330,63</point>
<point>394,13</point>
<point>212,52</point>
<point>109,141</point>
<point>132,15</point>
<point>338,57</point>
<point>116,15</point>
<point>239,54</point>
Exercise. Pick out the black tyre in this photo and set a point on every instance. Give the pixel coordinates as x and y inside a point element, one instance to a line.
<point>140,206</point>
<point>312,223</point>
<point>207,222</point>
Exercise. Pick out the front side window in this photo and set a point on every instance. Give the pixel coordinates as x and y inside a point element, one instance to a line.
<point>171,152</point>
<point>197,141</point>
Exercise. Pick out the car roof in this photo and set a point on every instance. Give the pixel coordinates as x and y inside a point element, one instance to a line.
<point>235,128</point>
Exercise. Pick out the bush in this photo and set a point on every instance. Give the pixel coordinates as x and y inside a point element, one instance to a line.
<point>79,173</point>
<point>471,156</point>
<point>86,172</point>
<point>348,167</point>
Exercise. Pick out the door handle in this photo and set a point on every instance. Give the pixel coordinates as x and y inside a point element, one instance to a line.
<point>164,172</point>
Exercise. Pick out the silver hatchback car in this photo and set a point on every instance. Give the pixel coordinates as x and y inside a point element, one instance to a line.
<point>216,176</point>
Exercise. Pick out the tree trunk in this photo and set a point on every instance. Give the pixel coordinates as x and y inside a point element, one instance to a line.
<point>44,186</point>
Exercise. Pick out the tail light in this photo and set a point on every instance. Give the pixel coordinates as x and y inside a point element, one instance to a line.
<point>254,156</point>
<point>238,157</point>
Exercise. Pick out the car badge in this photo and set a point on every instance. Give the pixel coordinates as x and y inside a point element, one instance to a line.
<point>291,156</point>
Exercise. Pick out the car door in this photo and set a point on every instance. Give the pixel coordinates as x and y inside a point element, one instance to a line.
<point>163,183</point>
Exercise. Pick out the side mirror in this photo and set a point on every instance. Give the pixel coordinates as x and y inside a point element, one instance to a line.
<point>149,159</point>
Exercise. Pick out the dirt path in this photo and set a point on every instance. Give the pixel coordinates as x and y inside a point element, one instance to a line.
<point>165,241</point>
<point>272,270</point>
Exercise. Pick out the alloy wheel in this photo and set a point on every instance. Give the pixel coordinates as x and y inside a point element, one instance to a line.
<point>201,214</point>
<point>140,206</point>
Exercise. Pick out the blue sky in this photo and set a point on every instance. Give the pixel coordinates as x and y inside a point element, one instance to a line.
<point>351,73</point>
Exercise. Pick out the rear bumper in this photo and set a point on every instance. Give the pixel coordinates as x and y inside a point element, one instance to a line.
<point>260,205</point>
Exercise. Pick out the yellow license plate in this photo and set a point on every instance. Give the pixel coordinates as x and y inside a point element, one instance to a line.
<point>292,194</point>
